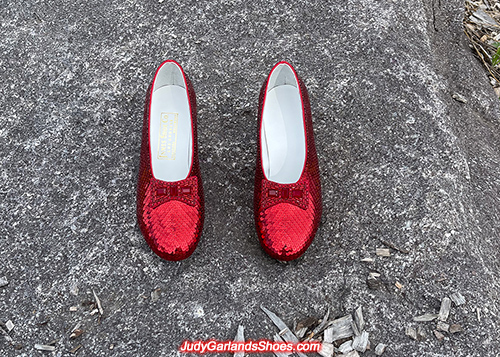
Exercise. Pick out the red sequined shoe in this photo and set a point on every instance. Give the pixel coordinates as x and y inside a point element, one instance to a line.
<point>287,198</point>
<point>170,204</point>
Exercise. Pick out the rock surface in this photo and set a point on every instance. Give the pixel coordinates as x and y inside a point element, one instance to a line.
<point>400,160</point>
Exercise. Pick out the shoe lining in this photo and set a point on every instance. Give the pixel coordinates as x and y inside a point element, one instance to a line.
<point>170,125</point>
<point>283,141</point>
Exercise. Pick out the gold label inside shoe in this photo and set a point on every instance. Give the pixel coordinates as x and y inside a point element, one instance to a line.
<point>167,141</point>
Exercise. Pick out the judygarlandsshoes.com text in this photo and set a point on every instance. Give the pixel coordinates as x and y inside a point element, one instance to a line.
<point>258,346</point>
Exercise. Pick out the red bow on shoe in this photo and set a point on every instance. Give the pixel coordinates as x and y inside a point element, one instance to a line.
<point>184,191</point>
<point>274,193</point>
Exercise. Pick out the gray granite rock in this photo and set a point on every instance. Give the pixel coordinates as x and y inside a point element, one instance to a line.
<point>400,160</point>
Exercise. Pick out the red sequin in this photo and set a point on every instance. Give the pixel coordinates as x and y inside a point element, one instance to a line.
<point>287,225</point>
<point>174,191</point>
<point>161,191</point>
<point>170,222</point>
<point>273,193</point>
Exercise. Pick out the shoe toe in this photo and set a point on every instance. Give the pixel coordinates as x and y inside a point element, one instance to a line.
<point>173,229</point>
<point>286,231</point>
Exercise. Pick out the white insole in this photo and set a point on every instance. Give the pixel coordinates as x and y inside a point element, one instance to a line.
<point>170,133</point>
<point>283,139</point>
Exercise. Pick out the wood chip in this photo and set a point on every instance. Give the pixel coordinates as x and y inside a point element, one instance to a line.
<point>444,311</point>
<point>457,299</point>
<point>300,333</point>
<point>74,350</point>
<point>358,319</point>
<point>355,329</point>
<point>383,252</point>
<point>421,335</point>
<point>341,328</point>
<point>277,338</point>
<point>77,326</point>
<point>459,98</point>
<point>3,281</point>
<point>155,295</point>
<point>240,337</point>
<point>9,325</point>
<point>373,281</point>
<point>380,348</point>
<point>323,323</point>
<point>74,289</point>
<point>98,302</point>
<point>393,246</point>
<point>279,323</point>
<point>438,335</point>
<point>360,343</point>
<point>240,334</point>
<point>443,326</point>
<point>327,349</point>
<point>482,18</point>
<point>345,347</point>
<point>308,322</point>
<point>411,332</point>
<point>44,347</point>
<point>282,332</point>
<point>76,333</point>
<point>288,336</point>
<point>44,321</point>
<point>425,318</point>
<point>328,335</point>
<point>454,328</point>
<point>6,335</point>
<point>471,26</point>
<point>398,285</point>
<point>73,308</point>
<point>367,260</point>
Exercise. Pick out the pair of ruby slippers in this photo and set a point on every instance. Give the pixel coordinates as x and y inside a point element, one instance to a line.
<point>287,197</point>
